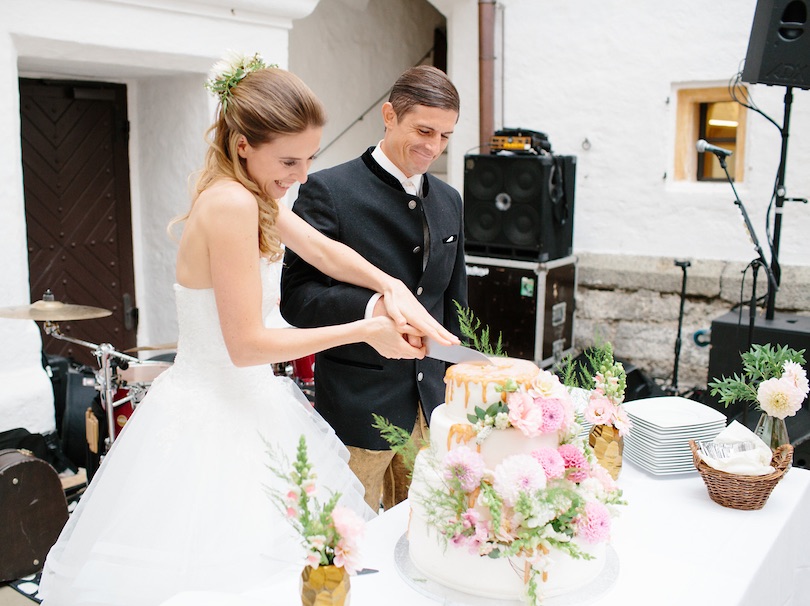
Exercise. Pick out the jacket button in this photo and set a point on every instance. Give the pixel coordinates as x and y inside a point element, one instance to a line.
<point>419,290</point>
<point>420,376</point>
<point>417,249</point>
<point>412,204</point>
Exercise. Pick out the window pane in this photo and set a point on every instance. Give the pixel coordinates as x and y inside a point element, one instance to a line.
<point>719,122</point>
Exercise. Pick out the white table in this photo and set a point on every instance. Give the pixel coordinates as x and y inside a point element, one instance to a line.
<point>675,547</point>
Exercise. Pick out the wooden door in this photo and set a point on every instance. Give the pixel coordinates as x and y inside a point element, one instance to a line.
<point>77,205</point>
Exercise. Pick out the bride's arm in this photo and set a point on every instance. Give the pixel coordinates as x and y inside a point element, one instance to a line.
<point>346,265</point>
<point>228,219</point>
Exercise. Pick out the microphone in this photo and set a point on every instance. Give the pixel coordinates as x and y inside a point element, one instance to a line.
<point>703,146</point>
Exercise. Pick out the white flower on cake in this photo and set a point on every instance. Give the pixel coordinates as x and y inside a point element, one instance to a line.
<point>516,476</point>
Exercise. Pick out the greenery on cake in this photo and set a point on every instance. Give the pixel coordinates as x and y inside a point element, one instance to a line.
<point>475,335</point>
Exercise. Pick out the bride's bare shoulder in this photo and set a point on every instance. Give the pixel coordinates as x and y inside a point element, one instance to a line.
<point>224,199</point>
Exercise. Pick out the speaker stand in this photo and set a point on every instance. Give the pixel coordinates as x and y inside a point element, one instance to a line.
<point>780,202</point>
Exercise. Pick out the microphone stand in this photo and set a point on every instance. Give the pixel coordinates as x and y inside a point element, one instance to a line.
<point>760,261</point>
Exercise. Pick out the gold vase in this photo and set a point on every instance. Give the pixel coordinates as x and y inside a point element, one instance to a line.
<point>608,446</point>
<point>325,586</point>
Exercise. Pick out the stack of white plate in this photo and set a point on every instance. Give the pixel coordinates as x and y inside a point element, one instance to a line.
<point>662,427</point>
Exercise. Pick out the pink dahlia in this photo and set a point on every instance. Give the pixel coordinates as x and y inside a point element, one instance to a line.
<point>553,415</point>
<point>464,465</point>
<point>575,462</point>
<point>552,462</point>
<point>594,526</point>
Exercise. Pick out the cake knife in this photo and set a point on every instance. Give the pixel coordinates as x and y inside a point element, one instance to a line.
<point>453,353</point>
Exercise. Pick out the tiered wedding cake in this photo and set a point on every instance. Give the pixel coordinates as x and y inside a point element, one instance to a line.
<point>507,502</point>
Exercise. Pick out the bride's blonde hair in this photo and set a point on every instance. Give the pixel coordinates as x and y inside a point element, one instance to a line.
<point>263,105</point>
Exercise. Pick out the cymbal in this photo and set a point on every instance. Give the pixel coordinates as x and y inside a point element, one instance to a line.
<point>160,347</point>
<point>53,311</point>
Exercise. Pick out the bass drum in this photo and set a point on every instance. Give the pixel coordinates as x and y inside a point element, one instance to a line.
<point>302,371</point>
<point>133,384</point>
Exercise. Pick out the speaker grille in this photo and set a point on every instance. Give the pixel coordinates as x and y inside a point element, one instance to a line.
<point>519,206</point>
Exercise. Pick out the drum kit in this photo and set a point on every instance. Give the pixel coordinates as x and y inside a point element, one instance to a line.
<point>121,379</point>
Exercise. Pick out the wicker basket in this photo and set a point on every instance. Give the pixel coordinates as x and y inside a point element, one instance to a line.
<point>742,492</point>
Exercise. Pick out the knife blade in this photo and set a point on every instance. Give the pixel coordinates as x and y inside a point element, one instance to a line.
<point>453,353</point>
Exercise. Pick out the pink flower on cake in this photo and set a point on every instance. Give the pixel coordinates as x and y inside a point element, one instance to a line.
<point>779,398</point>
<point>525,414</point>
<point>600,410</point>
<point>465,466</point>
<point>575,462</point>
<point>552,462</point>
<point>518,474</point>
<point>553,415</point>
<point>594,526</point>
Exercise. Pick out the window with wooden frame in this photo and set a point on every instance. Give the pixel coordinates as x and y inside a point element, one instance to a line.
<point>710,114</point>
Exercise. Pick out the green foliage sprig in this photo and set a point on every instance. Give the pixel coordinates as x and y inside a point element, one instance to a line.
<point>470,327</point>
<point>760,363</point>
<point>229,72</point>
<point>400,440</point>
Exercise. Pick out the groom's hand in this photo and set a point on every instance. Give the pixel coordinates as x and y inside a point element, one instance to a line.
<point>380,310</point>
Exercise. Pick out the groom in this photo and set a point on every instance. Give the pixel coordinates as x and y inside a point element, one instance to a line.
<point>388,208</point>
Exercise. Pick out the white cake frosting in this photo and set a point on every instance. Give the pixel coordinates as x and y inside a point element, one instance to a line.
<point>471,386</point>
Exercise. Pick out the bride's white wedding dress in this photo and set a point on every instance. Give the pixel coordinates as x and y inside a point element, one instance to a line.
<point>180,503</point>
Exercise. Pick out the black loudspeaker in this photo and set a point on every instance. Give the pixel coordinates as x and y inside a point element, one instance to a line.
<point>519,206</point>
<point>779,45</point>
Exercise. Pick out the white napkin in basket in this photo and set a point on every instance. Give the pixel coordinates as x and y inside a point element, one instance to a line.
<point>754,462</point>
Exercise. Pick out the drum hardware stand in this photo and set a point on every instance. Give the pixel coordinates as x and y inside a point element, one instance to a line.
<point>108,359</point>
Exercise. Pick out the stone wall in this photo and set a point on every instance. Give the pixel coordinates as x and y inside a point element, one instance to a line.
<point>634,302</point>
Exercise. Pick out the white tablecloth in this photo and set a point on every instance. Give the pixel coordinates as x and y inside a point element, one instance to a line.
<point>675,546</point>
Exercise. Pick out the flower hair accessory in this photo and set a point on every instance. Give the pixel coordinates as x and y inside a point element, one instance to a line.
<point>230,71</point>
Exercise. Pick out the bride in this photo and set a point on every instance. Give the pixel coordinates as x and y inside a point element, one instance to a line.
<point>179,503</point>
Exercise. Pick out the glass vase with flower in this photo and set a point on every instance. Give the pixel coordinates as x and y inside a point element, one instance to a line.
<point>774,380</point>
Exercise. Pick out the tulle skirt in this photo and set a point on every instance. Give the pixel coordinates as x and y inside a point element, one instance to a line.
<point>180,502</point>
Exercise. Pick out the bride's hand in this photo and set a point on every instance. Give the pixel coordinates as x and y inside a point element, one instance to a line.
<point>407,311</point>
<point>392,341</point>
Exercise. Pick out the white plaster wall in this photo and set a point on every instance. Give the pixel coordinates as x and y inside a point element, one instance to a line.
<point>608,71</point>
<point>350,52</point>
<point>162,51</point>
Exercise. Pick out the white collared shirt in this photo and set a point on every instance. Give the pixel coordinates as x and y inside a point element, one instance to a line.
<point>414,182</point>
<point>411,185</point>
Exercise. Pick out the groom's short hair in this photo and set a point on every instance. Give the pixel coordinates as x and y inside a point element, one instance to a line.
<point>423,85</point>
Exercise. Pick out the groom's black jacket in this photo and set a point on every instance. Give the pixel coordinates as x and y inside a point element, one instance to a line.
<point>363,206</point>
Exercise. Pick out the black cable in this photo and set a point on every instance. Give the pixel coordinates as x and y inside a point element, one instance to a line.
<point>741,95</point>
